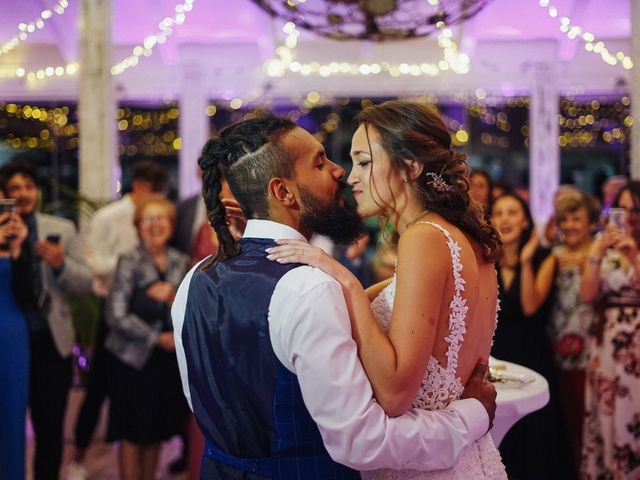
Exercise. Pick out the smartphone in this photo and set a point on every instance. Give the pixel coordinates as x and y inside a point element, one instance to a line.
<point>618,218</point>
<point>53,238</point>
<point>7,205</point>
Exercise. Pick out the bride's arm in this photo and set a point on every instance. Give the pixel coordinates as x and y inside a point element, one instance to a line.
<point>395,364</point>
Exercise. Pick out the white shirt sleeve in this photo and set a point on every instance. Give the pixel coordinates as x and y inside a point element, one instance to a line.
<point>178,310</point>
<point>102,256</point>
<point>311,335</point>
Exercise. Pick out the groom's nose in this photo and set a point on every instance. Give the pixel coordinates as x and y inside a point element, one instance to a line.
<point>336,170</point>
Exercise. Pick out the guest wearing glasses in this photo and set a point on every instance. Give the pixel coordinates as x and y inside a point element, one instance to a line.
<point>146,399</point>
<point>611,445</point>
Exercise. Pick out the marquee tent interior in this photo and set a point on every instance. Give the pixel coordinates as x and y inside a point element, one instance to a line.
<point>231,40</point>
<point>192,54</point>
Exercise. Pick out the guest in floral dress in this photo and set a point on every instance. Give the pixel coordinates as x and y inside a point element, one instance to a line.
<point>572,319</point>
<point>611,446</point>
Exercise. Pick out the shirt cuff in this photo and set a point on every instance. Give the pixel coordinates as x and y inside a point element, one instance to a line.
<point>473,415</point>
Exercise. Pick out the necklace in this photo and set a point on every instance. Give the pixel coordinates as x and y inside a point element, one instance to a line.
<point>422,214</point>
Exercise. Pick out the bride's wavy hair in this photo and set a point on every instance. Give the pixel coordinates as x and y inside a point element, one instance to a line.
<point>412,131</point>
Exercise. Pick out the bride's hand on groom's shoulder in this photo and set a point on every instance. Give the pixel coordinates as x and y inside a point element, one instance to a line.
<point>297,251</point>
<point>481,389</point>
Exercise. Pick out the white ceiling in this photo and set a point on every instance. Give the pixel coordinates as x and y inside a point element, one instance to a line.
<point>231,39</point>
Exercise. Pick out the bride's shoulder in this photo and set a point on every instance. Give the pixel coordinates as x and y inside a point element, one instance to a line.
<point>438,230</point>
<point>423,246</point>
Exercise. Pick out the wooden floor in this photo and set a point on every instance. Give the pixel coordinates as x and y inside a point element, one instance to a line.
<point>102,460</point>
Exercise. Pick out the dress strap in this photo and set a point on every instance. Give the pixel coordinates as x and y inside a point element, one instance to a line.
<point>458,307</point>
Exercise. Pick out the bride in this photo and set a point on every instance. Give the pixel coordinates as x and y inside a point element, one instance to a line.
<point>421,333</point>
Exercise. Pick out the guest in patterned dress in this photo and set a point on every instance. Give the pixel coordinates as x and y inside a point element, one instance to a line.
<point>611,444</point>
<point>577,216</point>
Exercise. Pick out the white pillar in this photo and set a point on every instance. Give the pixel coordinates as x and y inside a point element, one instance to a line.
<point>635,90</point>
<point>97,103</point>
<point>193,126</point>
<point>544,151</point>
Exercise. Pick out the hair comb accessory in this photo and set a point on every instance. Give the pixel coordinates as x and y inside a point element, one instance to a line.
<point>438,182</point>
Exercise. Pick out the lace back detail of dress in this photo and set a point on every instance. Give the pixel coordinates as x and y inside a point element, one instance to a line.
<point>440,385</point>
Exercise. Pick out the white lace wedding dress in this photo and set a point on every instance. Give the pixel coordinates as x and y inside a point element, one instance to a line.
<point>440,385</point>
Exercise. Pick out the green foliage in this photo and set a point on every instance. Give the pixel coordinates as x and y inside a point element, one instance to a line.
<point>85,312</point>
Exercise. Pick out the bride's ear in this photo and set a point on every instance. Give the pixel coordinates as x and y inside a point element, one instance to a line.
<point>414,169</point>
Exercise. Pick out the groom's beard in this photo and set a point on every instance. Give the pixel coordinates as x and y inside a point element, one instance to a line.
<point>340,223</point>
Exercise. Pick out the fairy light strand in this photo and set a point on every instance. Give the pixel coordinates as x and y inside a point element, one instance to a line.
<point>26,29</point>
<point>146,48</point>
<point>453,60</point>
<point>143,50</point>
<point>591,43</point>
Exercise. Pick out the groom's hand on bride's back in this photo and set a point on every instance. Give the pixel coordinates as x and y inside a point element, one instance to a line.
<point>480,388</point>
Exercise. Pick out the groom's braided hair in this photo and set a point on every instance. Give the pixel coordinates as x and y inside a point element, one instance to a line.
<point>248,155</point>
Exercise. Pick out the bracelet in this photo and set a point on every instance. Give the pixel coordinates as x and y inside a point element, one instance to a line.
<point>593,260</point>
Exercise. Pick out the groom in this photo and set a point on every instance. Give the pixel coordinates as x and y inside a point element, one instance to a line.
<point>265,350</point>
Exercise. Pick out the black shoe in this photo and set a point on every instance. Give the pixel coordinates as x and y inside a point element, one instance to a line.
<point>178,466</point>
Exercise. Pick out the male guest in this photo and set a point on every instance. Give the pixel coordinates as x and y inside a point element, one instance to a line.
<point>265,349</point>
<point>52,255</point>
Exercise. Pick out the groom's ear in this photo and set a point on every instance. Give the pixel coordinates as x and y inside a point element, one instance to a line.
<point>280,190</point>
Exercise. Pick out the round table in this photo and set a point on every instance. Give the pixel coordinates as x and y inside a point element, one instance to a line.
<point>516,399</point>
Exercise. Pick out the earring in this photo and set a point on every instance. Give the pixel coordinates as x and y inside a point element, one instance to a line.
<point>405,180</point>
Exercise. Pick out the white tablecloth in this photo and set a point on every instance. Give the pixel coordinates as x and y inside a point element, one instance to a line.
<point>516,400</point>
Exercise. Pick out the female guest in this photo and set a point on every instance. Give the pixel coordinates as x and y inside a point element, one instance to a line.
<point>480,188</point>
<point>146,398</point>
<point>14,352</point>
<point>536,447</point>
<point>577,216</point>
<point>611,446</point>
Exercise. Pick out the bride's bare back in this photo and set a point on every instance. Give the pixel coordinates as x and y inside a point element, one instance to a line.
<point>437,278</point>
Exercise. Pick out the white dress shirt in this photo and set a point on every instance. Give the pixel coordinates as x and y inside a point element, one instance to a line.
<point>111,234</point>
<point>311,336</point>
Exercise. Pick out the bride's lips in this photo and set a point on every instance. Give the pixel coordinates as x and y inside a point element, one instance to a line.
<point>355,193</point>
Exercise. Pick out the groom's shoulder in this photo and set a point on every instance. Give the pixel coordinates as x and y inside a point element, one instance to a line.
<point>305,280</point>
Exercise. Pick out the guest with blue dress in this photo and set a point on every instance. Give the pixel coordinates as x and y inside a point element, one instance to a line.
<point>14,354</point>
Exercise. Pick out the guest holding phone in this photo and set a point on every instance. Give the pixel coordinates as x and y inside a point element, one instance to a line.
<point>14,348</point>
<point>611,447</point>
<point>50,271</point>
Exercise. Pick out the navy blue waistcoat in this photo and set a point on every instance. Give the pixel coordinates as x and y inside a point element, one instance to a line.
<point>247,404</point>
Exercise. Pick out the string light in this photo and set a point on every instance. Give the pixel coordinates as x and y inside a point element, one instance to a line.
<point>25,29</point>
<point>591,43</point>
<point>585,124</point>
<point>453,60</point>
<point>146,48</point>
